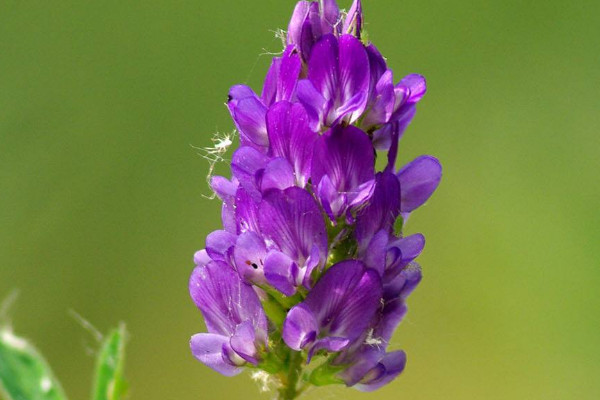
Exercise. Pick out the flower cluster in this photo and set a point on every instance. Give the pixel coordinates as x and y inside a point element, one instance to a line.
<point>309,276</point>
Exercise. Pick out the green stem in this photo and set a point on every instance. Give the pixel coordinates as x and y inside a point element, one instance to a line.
<point>289,380</point>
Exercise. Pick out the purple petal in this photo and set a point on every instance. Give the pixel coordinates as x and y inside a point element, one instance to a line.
<point>375,254</point>
<point>348,111</point>
<point>246,163</point>
<point>401,96</point>
<point>291,137</point>
<point>248,113</point>
<point>249,116</point>
<point>361,193</point>
<point>392,364</point>
<point>408,248</point>
<point>297,21</point>
<point>353,21</point>
<point>382,137</point>
<point>269,92</point>
<point>278,174</point>
<point>311,30</point>
<point>394,312</point>
<point>289,72</point>
<point>281,272</point>
<point>299,328</point>
<point>309,22</point>
<point>382,104</point>
<point>238,92</point>
<point>230,356</point>
<point>393,150</point>
<point>225,301</point>
<point>377,65</point>
<point>343,154</point>
<point>403,117</point>
<point>332,202</point>
<point>405,283</point>
<point>292,219</point>
<point>243,342</point>
<point>208,348</point>
<point>416,84</point>
<point>316,105</point>
<point>382,210</point>
<point>362,362</point>
<point>354,76</point>
<point>345,299</point>
<point>323,68</point>
<point>228,217</point>
<point>395,295</point>
<point>201,258</point>
<point>315,258</point>
<point>418,180</point>
<point>332,344</point>
<point>218,244</point>
<point>393,258</point>
<point>388,135</point>
<point>281,80</point>
<point>246,212</point>
<point>375,373</point>
<point>249,254</point>
<point>331,15</point>
<point>224,188</point>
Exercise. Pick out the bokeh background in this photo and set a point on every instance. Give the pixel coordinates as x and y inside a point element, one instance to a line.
<point>101,188</point>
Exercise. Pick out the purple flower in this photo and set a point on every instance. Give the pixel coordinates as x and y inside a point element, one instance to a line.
<point>342,171</point>
<point>381,212</point>
<point>337,87</point>
<point>418,180</point>
<point>248,110</point>
<point>369,365</point>
<point>353,20</point>
<point>374,369</point>
<point>393,108</point>
<point>336,311</point>
<point>282,77</point>
<point>236,322</point>
<point>312,262</point>
<point>292,222</point>
<point>291,138</point>
<point>310,21</point>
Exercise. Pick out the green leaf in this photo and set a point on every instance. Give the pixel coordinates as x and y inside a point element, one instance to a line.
<point>24,374</point>
<point>110,384</point>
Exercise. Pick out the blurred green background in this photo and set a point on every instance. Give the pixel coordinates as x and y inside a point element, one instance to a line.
<point>101,205</point>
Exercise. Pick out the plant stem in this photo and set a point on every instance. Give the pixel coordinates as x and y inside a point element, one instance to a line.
<point>289,379</point>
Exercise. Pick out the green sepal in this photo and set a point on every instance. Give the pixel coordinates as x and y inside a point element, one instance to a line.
<point>24,373</point>
<point>270,356</point>
<point>326,374</point>
<point>398,225</point>
<point>364,36</point>
<point>286,302</point>
<point>277,305</point>
<point>110,384</point>
<point>270,363</point>
<point>274,310</point>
